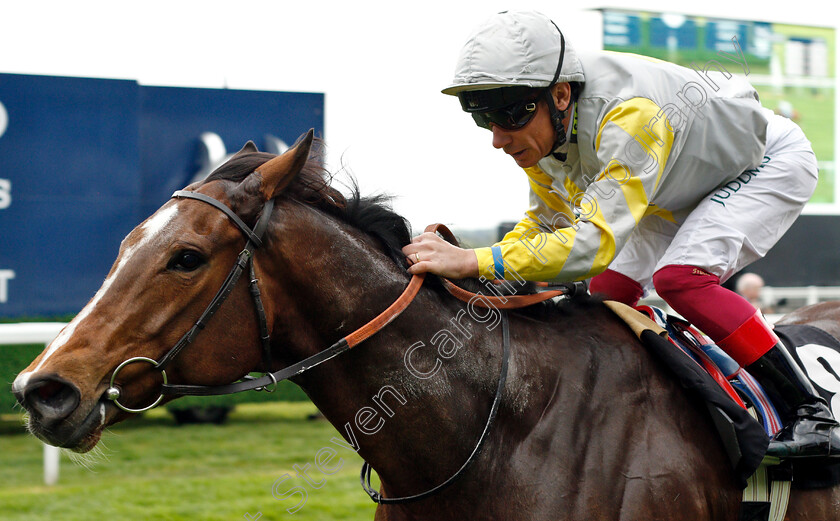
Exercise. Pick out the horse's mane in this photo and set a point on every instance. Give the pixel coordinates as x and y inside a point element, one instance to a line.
<point>371,214</point>
<point>313,186</point>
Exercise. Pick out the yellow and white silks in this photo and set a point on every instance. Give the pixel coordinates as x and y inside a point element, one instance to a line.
<point>649,139</point>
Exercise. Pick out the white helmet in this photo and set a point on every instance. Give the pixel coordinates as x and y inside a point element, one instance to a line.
<point>515,49</point>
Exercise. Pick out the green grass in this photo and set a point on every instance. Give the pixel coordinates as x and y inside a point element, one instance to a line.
<point>816,117</point>
<point>154,470</point>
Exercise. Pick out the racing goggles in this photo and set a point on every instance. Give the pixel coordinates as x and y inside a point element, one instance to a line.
<point>510,108</point>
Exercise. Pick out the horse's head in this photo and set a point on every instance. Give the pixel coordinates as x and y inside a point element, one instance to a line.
<point>168,269</point>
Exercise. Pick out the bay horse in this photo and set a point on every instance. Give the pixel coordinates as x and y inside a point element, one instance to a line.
<point>589,424</point>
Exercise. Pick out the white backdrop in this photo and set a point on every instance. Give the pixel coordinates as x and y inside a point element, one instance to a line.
<point>380,64</point>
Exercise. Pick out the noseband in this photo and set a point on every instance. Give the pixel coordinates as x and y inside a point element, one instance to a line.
<point>269,380</point>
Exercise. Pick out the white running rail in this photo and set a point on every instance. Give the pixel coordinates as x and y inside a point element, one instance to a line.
<point>36,333</point>
<point>776,300</point>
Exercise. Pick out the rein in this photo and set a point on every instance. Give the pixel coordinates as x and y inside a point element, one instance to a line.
<point>269,380</point>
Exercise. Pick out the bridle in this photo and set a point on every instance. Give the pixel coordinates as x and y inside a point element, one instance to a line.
<point>243,261</point>
<point>269,380</point>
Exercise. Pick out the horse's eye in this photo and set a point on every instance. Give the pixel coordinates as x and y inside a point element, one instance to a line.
<point>186,261</point>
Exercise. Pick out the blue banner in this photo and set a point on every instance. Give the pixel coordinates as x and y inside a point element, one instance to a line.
<point>83,161</point>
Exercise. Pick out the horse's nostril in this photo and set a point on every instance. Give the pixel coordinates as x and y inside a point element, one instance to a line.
<point>49,390</point>
<point>50,397</point>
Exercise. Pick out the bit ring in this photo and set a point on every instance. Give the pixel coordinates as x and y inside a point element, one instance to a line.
<point>113,392</point>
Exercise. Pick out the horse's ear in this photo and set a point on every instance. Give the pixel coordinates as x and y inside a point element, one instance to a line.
<point>249,147</point>
<point>279,171</point>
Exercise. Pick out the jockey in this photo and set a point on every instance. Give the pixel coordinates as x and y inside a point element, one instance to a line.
<point>643,174</point>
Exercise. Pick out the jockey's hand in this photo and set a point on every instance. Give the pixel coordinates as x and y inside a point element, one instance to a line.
<point>428,253</point>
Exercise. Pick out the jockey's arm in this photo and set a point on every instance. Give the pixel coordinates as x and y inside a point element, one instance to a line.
<point>550,243</point>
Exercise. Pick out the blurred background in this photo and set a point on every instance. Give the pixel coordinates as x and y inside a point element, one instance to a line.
<point>108,107</point>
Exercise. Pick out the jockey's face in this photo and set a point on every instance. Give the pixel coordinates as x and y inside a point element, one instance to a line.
<point>532,142</point>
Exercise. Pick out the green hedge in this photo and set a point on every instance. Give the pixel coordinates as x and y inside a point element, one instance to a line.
<point>15,358</point>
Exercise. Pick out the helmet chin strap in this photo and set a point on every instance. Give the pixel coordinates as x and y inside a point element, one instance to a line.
<point>557,115</point>
<point>557,122</point>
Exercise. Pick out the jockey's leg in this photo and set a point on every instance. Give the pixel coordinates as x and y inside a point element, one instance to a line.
<point>726,231</point>
<point>698,296</point>
<point>617,286</point>
<point>810,428</point>
<point>740,330</point>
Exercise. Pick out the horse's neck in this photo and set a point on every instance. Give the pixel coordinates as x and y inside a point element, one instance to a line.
<point>416,384</point>
<point>414,396</point>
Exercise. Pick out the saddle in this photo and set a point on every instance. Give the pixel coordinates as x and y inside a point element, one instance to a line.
<point>743,414</point>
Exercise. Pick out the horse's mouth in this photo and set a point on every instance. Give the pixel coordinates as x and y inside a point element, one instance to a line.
<point>88,442</point>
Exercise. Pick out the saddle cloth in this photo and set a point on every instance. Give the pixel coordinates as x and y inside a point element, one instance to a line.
<point>744,439</point>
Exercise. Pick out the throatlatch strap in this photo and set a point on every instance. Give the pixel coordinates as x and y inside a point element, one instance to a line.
<point>348,342</point>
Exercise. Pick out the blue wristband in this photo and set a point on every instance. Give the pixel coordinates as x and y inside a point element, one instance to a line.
<point>498,263</point>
